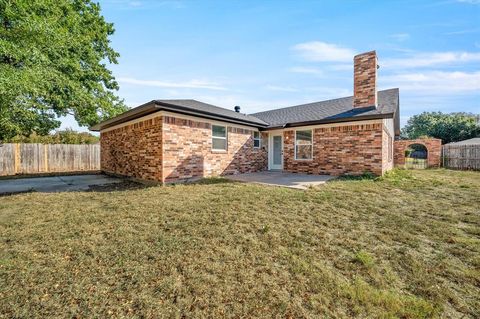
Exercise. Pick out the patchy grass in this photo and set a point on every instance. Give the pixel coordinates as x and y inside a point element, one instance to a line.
<point>406,245</point>
<point>364,258</point>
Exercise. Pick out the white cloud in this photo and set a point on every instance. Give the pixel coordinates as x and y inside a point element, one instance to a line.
<point>192,84</point>
<point>465,31</point>
<point>323,52</point>
<point>400,36</point>
<point>281,88</point>
<point>469,1</point>
<point>325,93</point>
<point>435,82</point>
<point>341,67</point>
<point>135,3</point>
<point>300,69</point>
<point>427,59</point>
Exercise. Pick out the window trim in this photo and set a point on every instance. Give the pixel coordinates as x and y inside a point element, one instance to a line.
<point>259,139</point>
<point>220,138</point>
<point>311,145</point>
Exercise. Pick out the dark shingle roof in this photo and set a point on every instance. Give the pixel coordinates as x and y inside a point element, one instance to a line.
<point>189,107</point>
<point>337,110</point>
<point>198,106</point>
<point>331,110</point>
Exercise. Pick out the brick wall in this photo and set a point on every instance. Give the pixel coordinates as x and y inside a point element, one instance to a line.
<point>133,150</point>
<point>365,79</point>
<point>387,151</point>
<point>348,149</point>
<point>433,145</point>
<point>188,151</point>
<point>170,149</point>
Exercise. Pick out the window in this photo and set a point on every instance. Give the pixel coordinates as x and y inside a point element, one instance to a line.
<point>303,145</point>
<point>219,137</point>
<point>256,139</point>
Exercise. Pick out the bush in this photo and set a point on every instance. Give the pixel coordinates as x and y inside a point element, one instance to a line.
<point>67,136</point>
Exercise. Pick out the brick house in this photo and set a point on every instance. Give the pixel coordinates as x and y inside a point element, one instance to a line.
<point>177,140</point>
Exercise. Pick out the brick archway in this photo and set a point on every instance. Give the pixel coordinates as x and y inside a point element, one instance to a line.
<point>433,146</point>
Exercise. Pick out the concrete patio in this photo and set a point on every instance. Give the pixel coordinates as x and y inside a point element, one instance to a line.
<point>54,183</point>
<point>283,179</point>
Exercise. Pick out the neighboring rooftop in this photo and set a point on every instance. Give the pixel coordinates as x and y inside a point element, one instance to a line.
<point>472,141</point>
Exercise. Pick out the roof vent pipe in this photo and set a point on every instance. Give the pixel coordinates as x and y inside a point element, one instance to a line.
<point>237,109</point>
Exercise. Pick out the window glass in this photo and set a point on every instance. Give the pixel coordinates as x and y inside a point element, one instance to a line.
<point>256,139</point>
<point>219,137</point>
<point>219,144</point>
<point>219,131</point>
<point>304,137</point>
<point>303,145</point>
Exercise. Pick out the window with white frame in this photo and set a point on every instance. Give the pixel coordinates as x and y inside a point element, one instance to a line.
<point>303,145</point>
<point>256,139</point>
<point>219,138</point>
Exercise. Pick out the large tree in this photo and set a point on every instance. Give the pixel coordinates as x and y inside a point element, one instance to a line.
<point>53,62</point>
<point>451,127</point>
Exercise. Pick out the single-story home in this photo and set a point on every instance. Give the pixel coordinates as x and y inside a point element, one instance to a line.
<point>178,140</point>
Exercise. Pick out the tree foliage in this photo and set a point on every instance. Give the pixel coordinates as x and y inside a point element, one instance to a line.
<point>67,136</point>
<point>53,56</point>
<point>451,127</point>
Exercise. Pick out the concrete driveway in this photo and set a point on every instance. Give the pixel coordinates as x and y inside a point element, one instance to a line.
<point>284,179</point>
<point>54,183</point>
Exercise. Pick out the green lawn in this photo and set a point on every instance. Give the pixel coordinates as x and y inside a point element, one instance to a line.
<point>406,245</point>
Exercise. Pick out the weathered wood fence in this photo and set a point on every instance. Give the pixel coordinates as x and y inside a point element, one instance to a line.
<point>48,158</point>
<point>465,157</point>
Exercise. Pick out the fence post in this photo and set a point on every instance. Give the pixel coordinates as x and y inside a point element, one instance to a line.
<point>443,156</point>
<point>45,157</point>
<point>16,158</point>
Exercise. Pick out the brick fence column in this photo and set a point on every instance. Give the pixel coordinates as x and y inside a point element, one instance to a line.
<point>433,145</point>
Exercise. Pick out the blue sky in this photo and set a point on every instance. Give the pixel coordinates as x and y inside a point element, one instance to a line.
<point>269,54</point>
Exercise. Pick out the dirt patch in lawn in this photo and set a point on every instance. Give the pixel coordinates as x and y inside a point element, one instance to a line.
<point>406,245</point>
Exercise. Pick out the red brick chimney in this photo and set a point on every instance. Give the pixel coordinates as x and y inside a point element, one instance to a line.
<point>365,80</point>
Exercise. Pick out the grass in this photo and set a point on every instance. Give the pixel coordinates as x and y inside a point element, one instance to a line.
<point>406,245</point>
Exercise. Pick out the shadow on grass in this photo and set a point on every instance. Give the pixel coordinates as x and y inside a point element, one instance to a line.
<point>213,181</point>
<point>127,185</point>
<point>364,176</point>
<point>118,187</point>
<point>16,193</point>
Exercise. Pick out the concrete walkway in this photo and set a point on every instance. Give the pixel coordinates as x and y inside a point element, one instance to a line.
<point>54,183</point>
<point>284,179</point>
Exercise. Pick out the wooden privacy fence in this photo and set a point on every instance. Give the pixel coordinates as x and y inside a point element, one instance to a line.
<point>461,157</point>
<point>48,158</point>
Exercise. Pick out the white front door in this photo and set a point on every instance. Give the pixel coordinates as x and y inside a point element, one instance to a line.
<point>276,151</point>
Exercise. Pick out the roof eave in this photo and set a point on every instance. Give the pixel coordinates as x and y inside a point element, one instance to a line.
<point>329,121</point>
<point>186,111</point>
<point>155,106</point>
<point>134,113</point>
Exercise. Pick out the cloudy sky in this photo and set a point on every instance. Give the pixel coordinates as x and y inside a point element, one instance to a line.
<point>269,54</point>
